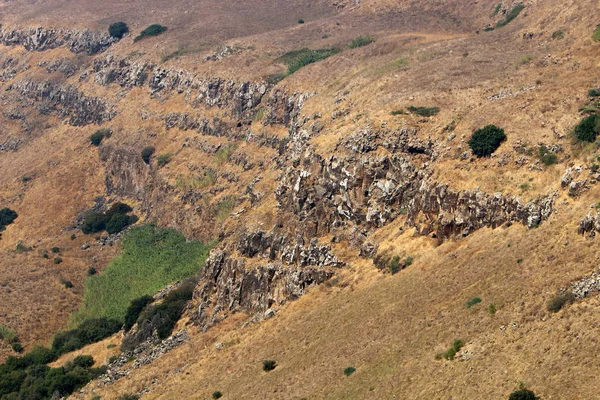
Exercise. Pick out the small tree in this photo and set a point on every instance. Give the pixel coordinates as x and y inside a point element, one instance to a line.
<point>269,365</point>
<point>118,29</point>
<point>588,128</point>
<point>147,152</point>
<point>486,140</point>
<point>523,394</point>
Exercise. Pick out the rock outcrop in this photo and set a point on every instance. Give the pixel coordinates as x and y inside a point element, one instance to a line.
<point>66,101</point>
<point>227,285</point>
<point>40,39</point>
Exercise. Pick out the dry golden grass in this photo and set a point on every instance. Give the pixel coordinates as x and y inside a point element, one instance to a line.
<point>388,327</point>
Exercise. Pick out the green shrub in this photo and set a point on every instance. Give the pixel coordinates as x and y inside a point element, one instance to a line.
<point>424,111</point>
<point>408,261</point>
<point>97,137</point>
<point>549,158</point>
<point>588,128</point>
<point>114,220</point>
<point>118,29</point>
<point>163,159</point>
<point>397,112</point>
<point>152,30</point>
<point>151,258</point>
<point>349,371</point>
<point>559,301</point>
<point>89,331</point>
<point>496,10</point>
<point>361,41</point>
<point>7,217</point>
<point>492,309</point>
<point>395,265</point>
<point>301,58</point>
<point>486,140</point>
<point>300,21</point>
<point>57,260</point>
<point>92,271</point>
<point>593,92</point>
<point>269,365</point>
<point>67,284</point>
<point>17,347</point>
<point>522,394</point>
<point>7,334</point>
<point>217,395</point>
<point>147,152</point>
<point>596,34</point>
<point>512,14</point>
<point>134,310</point>
<point>473,301</point>
<point>55,249</point>
<point>451,352</point>
<point>558,34</point>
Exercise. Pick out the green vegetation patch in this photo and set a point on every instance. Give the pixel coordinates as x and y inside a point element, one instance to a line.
<point>423,111</point>
<point>118,29</point>
<point>269,365</point>
<point>451,352</point>
<point>486,140</point>
<point>114,220</point>
<point>349,371</point>
<point>361,41</point>
<point>151,258</point>
<point>473,301</point>
<point>7,217</point>
<point>596,35</point>
<point>588,128</point>
<point>512,14</point>
<point>152,30</point>
<point>523,394</point>
<point>97,137</point>
<point>297,59</point>
<point>559,301</point>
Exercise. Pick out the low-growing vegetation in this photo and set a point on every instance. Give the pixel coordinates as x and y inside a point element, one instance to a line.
<point>423,111</point>
<point>114,220</point>
<point>162,317</point>
<point>596,34</point>
<point>147,153</point>
<point>559,301</point>
<point>118,29</point>
<point>451,352</point>
<point>163,159</point>
<point>217,395</point>
<point>152,30</point>
<point>546,156</point>
<point>594,92</point>
<point>97,137</point>
<point>269,365</point>
<point>486,140</point>
<point>473,301</point>
<point>361,41</point>
<point>523,394</point>
<point>294,60</point>
<point>151,258</point>
<point>135,309</point>
<point>588,128</point>
<point>7,217</point>
<point>349,371</point>
<point>512,14</point>
<point>559,34</point>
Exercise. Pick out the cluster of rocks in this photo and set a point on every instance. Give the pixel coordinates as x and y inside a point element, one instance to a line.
<point>586,285</point>
<point>327,193</point>
<point>66,66</point>
<point>10,67</point>
<point>574,185</point>
<point>126,174</point>
<point>222,52</point>
<point>220,128</point>
<point>590,224</point>
<point>240,97</point>
<point>66,101</point>
<point>40,39</point>
<point>365,140</point>
<point>227,285</point>
<point>277,247</point>
<point>144,354</point>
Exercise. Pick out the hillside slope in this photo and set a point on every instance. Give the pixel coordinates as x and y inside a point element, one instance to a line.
<point>312,182</point>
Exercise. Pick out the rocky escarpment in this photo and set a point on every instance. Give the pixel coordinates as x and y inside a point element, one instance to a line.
<point>40,39</point>
<point>375,190</point>
<point>242,98</point>
<point>228,284</point>
<point>66,101</point>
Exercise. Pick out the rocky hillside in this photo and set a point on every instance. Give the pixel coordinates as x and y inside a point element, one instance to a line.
<point>352,219</point>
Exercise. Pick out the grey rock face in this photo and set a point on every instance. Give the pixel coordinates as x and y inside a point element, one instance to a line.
<point>40,39</point>
<point>65,101</point>
<point>376,190</point>
<point>228,285</point>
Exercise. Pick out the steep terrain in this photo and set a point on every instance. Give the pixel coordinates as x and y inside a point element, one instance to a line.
<point>313,183</point>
